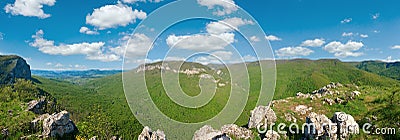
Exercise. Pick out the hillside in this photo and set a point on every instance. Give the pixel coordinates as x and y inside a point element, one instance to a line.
<point>104,98</point>
<point>387,69</point>
<point>302,75</point>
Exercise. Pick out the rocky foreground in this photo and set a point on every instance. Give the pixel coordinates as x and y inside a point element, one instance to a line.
<point>316,126</point>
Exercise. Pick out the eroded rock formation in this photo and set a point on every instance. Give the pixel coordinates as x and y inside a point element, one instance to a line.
<point>58,125</point>
<point>261,115</point>
<point>148,134</point>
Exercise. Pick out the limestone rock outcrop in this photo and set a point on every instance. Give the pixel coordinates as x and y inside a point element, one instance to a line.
<point>272,135</point>
<point>302,109</point>
<point>148,134</point>
<point>58,125</point>
<point>208,133</point>
<point>261,115</point>
<point>346,124</point>
<point>236,131</point>
<point>37,106</point>
<point>319,127</point>
<point>340,126</point>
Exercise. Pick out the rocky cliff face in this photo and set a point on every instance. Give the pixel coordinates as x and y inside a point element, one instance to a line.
<point>12,67</point>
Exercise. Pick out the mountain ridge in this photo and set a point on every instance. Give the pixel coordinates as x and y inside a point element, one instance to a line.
<point>13,67</point>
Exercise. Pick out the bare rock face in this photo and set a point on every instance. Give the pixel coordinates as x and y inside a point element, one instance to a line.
<point>290,117</point>
<point>329,101</point>
<point>319,127</point>
<point>238,132</point>
<point>13,67</point>
<point>35,124</point>
<point>302,109</point>
<point>320,91</point>
<point>272,135</point>
<point>37,106</point>
<point>339,100</point>
<point>302,95</point>
<point>148,134</point>
<point>346,125</point>
<point>58,125</point>
<point>355,93</point>
<point>261,115</point>
<point>326,89</point>
<point>209,133</point>
<point>5,132</point>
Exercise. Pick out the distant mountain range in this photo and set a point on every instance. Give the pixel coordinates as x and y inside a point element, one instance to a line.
<point>75,73</point>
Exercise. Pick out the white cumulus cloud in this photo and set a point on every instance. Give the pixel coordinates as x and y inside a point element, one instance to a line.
<point>293,52</point>
<point>363,35</point>
<point>135,1</point>
<point>389,59</point>
<point>227,25</point>
<point>133,46</point>
<point>223,55</point>
<point>346,20</point>
<point>345,34</point>
<point>318,42</point>
<point>375,16</point>
<point>86,30</point>
<point>272,38</point>
<point>201,42</point>
<point>174,58</point>
<point>58,65</point>
<point>223,7</point>
<point>344,50</point>
<point>396,47</point>
<point>217,57</point>
<point>93,51</point>
<point>254,39</point>
<point>30,8</point>
<point>111,16</point>
<point>219,35</point>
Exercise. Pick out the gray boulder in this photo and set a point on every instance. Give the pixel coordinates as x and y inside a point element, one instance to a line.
<point>37,106</point>
<point>261,115</point>
<point>329,101</point>
<point>238,132</point>
<point>339,100</point>
<point>35,124</point>
<point>302,95</point>
<point>302,109</point>
<point>319,127</point>
<point>5,132</point>
<point>346,125</point>
<point>58,125</point>
<point>272,135</point>
<point>290,117</point>
<point>208,133</point>
<point>148,134</point>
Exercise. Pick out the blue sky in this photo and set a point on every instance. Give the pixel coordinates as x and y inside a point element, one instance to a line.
<point>73,34</point>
